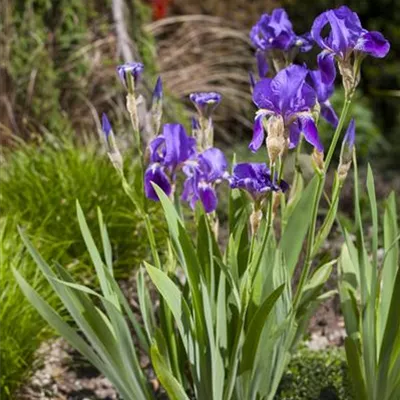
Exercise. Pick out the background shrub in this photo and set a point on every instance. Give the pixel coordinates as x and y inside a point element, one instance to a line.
<point>313,375</point>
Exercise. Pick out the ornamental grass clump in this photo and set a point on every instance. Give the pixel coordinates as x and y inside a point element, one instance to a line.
<point>229,318</point>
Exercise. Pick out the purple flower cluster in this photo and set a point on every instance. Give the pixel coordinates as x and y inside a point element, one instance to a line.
<point>174,151</point>
<point>275,32</point>
<point>289,104</point>
<point>295,96</point>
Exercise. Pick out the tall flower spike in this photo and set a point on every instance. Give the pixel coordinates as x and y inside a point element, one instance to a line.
<point>288,101</point>
<point>135,69</point>
<point>346,37</point>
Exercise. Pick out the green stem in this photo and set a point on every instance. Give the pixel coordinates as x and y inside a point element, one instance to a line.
<point>321,182</point>
<point>330,217</point>
<point>338,130</point>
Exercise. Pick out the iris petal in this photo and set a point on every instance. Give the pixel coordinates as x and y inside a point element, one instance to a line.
<point>258,133</point>
<point>294,134</point>
<point>316,29</point>
<point>286,86</point>
<point>178,146</point>
<point>157,152</point>
<point>208,197</point>
<point>310,132</point>
<point>326,64</point>
<point>155,174</point>
<point>213,164</point>
<point>262,94</point>
<point>329,113</point>
<point>374,44</point>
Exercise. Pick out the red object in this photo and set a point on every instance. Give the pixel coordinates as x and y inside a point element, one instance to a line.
<point>160,9</point>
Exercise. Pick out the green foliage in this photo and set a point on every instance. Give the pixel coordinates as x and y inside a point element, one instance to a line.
<point>21,331</point>
<point>313,375</point>
<point>41,183</point>
<point>369,290</point>
<point>107,341</point>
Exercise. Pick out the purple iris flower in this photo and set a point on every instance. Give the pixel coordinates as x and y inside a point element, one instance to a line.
<point>133,68</point>
<point>324,91</point>
<point>346,36</point>
<point>275,31</point>
<point>287,97</point>
<point>202,174</point>
<point>168,152</point>
<point>205,102</point>
<point>255,178</point>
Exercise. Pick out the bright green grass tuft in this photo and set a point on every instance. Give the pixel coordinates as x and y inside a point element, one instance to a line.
<point>41,184</point>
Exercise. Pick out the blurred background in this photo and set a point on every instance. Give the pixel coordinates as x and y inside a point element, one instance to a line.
<point>58,63</point>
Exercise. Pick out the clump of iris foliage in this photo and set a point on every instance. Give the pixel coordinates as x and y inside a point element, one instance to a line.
<point>229,320</point>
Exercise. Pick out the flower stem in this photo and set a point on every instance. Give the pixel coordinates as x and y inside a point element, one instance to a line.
<point>320,188</point>
<point>338,130</point>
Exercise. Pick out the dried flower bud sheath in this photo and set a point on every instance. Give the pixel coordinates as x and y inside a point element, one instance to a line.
<point>276,142</point>
<point>350,76</point>
<point>255,220</point>
<point>207,133</point>
<point>343,170</point>
<point>131,106</point>
<point>318,160</point>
